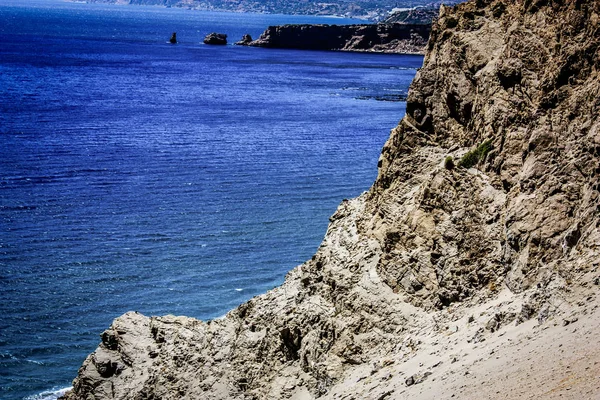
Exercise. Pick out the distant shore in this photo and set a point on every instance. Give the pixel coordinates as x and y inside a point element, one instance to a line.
<point>374,13</point>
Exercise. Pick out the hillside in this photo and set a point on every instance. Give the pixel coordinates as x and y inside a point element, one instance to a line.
<point>419,15</point>
<point>470,268</point>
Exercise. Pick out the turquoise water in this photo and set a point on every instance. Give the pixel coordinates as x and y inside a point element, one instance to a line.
<point>138,175</point>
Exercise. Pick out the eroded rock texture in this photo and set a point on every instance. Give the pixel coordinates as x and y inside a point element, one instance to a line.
<point>525,75</point>
<point>522,74</point>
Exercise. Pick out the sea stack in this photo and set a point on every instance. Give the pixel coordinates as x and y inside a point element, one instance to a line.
<point>173,39</point>
<point>246,40</point>
<point>216,38</point>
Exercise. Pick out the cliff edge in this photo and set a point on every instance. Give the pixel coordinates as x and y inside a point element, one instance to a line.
<point>468,270</point>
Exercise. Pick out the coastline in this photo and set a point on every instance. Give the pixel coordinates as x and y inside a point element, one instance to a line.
<point>186,6</point>
<point>443,271</point>
<point>109,269</point>
<point>52,394</point>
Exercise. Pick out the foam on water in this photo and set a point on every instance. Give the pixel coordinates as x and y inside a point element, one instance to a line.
<point>49,394</point>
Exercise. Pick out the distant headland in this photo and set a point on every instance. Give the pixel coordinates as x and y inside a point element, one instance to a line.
<point>379,38</point>
<point>360,9</point>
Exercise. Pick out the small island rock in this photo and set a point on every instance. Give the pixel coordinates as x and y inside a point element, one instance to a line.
<point>246,40</point>
<point>216,38</point>
<point>173,39</point>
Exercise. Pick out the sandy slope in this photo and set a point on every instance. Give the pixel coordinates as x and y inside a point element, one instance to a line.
<point>557,358</point>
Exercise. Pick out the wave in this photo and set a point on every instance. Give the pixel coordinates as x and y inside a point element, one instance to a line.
<point>34,362</point>
<point>52,394</point>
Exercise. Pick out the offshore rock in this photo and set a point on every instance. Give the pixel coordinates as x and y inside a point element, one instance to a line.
<point>246,40</point>
<point>173,39</point>
<point>388,38</point>
<point>410,273</point>
<point>216,38</point>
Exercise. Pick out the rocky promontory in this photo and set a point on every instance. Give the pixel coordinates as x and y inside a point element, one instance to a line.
<point>469,270</point>
<point>389,38</point>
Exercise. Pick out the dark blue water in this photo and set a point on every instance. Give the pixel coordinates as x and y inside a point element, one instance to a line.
<point>138,175</point>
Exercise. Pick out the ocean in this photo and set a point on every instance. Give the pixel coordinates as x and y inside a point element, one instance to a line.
<point>167,179</point>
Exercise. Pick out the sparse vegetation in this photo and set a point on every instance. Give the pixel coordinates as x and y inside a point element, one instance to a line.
<point>475,155</point>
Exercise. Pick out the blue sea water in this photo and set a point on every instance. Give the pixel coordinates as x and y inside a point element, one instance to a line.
<point>168,179</point>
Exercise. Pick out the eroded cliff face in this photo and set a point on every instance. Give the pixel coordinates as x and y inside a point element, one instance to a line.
<point>523,74</point>
<point>430,242</point>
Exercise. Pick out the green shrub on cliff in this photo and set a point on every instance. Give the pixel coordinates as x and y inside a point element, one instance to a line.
<point>475,155</point>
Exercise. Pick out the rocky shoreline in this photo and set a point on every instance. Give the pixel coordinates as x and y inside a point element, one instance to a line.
<point>469,270</point>
<point>383,38</point>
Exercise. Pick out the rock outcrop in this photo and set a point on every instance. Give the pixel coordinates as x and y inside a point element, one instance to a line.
<point>246,40</point>
<point>389,38</point>
<point>215,39</point>
<point>432,258</point>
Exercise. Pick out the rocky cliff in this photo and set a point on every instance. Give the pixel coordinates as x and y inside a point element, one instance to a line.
<point>465,265</point>
<point>389,38</point>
